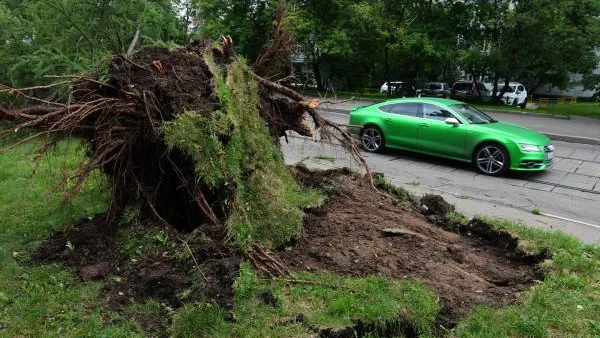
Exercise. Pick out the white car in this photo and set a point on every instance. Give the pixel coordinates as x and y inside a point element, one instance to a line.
<point>515,95</point>
<point>385,86</point>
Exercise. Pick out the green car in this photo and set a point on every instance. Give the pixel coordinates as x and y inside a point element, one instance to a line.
<point>451,129</point>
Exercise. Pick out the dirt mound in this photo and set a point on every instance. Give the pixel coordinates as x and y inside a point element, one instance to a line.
<point>347,236</point>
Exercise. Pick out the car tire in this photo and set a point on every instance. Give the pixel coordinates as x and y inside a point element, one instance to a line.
<point>491,159</point>
<point>372,139</point>
<point>524,104</point>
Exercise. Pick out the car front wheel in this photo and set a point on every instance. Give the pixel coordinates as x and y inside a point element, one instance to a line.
<point>372,139</point>
<point>491,159</point>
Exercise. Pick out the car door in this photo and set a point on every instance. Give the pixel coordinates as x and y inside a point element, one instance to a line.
<point>436,136</point>
<point>400,121</point>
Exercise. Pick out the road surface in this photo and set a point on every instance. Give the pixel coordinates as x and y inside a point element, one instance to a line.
<point>567,195</point>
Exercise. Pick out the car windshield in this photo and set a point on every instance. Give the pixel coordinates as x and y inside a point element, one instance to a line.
<point>472,114</point>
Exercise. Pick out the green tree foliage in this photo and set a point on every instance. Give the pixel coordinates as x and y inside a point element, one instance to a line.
<point>39,37</point>
<point>248,22</point>
<point>552,38</point>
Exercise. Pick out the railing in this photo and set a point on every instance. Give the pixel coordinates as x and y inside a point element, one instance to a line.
<point>545,101</point>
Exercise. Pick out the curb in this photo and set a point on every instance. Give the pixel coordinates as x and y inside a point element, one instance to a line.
<point>573,139</point>
<point>552,136</point>
<point>512,112</point>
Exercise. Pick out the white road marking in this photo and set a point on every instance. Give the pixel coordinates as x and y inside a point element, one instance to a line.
<point>571,220</point>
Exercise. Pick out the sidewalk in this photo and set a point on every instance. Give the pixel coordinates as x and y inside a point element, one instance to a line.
<point>577,129</point>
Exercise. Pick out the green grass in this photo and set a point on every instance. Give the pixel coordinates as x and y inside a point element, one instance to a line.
<point>47,301</point>
<point>324,158</point>
<point>587,109</point>
<point>565,304</point>
<point>325,301</point>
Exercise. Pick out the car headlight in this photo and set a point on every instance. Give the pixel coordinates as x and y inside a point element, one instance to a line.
<point>529,147</point>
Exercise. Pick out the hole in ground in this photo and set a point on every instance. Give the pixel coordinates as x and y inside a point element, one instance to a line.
<point>345,237</point>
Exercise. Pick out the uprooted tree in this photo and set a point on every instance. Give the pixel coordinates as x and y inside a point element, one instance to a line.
<point>188,135</point>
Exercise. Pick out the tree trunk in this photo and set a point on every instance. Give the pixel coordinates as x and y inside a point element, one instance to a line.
<point>317,74</point>
<point>134,41</point>
<point>495,90</point>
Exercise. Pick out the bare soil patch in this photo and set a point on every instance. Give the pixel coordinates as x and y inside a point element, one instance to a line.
<point>345,236</point>
<point>94,254</point>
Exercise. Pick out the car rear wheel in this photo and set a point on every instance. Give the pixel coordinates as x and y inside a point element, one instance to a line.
<point>372,139</point>
<point>491,159</point>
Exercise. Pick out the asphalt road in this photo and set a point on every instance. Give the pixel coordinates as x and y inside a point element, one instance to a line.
<point>567,195</point>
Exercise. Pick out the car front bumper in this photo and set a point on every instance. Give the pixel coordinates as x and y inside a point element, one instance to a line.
<point>532,161</point>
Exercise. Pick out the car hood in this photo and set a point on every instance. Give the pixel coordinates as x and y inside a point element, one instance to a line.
<point>516,133</point>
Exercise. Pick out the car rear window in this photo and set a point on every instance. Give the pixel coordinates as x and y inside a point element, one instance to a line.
<point>407,109</point>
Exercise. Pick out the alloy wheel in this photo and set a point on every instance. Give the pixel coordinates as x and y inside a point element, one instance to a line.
<point>371,139</point>
<point>491,160</point>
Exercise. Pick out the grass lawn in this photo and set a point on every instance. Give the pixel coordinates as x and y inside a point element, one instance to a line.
<point>49,301</point>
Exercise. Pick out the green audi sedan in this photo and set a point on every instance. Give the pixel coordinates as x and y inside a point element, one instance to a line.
<point>451,129</point>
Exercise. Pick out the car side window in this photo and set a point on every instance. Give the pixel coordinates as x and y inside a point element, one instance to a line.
<point>407,109</point>
<point>433,112</point>
<point>520,88</point>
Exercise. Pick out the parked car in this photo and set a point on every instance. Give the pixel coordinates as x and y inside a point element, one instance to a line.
<point>451,129</point>
<point>398,88</point>
<point>469,91</point>
<point>436,89</point>
<point>515,95</point>
<point>386,85</point>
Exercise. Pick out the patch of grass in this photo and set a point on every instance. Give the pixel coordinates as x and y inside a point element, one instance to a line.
<point>587,109</point>
<point>455,219</point>
<point>321,301</point>
<point>536,211</point>
<point>324,158</point>
<point>47,301</point>
<point>202,320</point>
<point>404,196</point>
<point>565,304</point>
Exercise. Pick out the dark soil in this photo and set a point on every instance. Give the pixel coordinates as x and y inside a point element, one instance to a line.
<point>88,246</point>
<point>345,236</point>
<point>94,254</point>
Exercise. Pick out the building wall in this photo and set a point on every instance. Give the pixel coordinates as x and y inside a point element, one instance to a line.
<point>575,90</point>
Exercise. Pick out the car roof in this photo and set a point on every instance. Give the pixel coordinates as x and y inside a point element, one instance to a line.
<point>423,100</point>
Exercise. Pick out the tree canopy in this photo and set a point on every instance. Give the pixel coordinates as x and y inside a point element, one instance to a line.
<point>348,44</point>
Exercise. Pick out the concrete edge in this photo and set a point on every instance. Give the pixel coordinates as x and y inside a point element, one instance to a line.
<point>552,136</point>
<point>573,139</point>
<point>512,112</point>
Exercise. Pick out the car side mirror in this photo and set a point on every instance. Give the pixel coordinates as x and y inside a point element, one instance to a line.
<point>453,121</point>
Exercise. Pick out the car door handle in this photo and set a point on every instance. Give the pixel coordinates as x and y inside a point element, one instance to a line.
<point>388,119</point>
<point>424,124</point>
